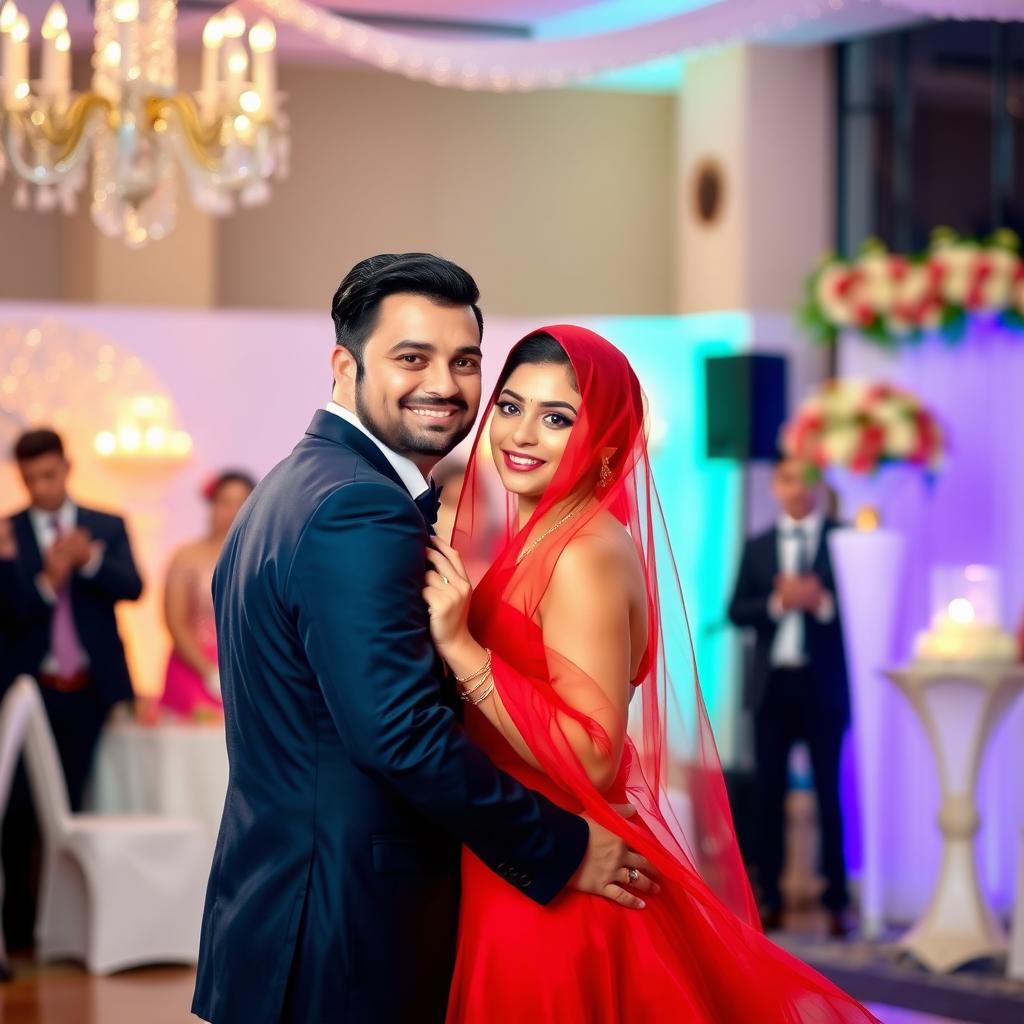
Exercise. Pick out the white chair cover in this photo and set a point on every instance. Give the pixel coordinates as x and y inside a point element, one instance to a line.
<point>115,892</point>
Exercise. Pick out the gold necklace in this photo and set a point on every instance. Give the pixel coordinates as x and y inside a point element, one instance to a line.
<point>547,533</point>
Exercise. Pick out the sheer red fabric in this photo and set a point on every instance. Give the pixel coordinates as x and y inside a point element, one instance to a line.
<point>696,953</point>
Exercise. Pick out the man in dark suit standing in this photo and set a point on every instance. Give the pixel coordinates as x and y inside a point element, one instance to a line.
<point>798,689</point>
<point>73,565</point>
<point>333,893</point>
<point>66,569</point>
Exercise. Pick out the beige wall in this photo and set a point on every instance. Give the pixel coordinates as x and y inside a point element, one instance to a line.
<point>555,201</point>
<point>765,115</point>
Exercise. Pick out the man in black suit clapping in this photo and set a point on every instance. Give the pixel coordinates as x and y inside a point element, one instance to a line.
<point>798,690</point>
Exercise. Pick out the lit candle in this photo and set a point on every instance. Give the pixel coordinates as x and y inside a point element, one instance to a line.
<point>8,16</point>
<point>213,38</point>
<point>54,25</point>
<point>16,87</point>
<point>263,41</point>
<point>232,23</point>
<point>62,72</point>
<point>126,14</point>
<point>236,66</point>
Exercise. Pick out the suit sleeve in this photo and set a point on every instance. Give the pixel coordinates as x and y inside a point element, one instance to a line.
<point>355,588</point>
<point>116,576</point>
<point>749,605</point>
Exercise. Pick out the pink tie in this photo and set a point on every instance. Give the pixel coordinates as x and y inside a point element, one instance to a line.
<point>63,635</point>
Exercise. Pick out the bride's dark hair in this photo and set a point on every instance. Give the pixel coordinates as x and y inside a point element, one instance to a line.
<point>539,349</point>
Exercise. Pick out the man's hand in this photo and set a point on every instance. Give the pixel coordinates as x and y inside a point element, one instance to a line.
<point>606,868</point>
<point>58,564</point>
<point>788,591</point>
<point>79,546</point>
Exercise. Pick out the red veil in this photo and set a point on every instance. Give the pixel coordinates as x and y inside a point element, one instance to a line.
<point>670,770</point>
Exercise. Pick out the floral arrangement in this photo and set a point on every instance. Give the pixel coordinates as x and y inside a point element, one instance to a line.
<point>859,426</point>
<point>894,299</point>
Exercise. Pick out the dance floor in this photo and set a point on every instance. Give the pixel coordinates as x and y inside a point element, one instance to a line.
<point>66,995</point>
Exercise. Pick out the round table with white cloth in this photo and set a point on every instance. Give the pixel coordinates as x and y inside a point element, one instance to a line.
<point>174,769</point>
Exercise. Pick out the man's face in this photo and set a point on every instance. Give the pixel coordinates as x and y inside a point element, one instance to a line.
<point>418,389</point>
<point>46,480</point>
<point>793,488</point>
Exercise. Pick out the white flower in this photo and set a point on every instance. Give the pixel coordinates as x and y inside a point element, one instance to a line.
<point>840,444</point>
<point>997,287</point>
<point>958,260</point>
<point>839,310</point>
<point>879,286</point>
<point>900,437</point>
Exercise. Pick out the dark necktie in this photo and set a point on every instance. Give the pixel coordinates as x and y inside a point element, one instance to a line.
<point>428,503</point>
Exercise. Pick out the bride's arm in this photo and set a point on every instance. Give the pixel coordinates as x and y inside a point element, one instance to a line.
<point>585,622</point>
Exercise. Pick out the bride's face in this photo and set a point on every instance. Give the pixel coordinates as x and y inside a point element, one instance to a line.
<point>530,428</point>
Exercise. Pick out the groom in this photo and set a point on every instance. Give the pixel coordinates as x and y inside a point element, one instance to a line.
<point>333,892</point>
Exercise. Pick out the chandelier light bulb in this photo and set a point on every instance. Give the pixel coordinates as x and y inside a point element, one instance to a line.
<point>55,22</point>
<point>126,11</point>
<point>112,53</point>
<point>233,23</point>
<point>8,16</point>
<point>242,124</point>
<point>238,63</point>
<point>213,33</point>
<point>19,30</point>
<point>250,101</point>
<point>21,91</point>
<point>263,36</point>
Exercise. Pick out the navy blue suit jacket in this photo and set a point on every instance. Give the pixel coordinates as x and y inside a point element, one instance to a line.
<point>93,600</point>
<point>749,607</point>
<point>333,892</point>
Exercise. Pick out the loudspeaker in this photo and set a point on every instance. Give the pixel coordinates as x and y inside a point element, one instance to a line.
<point>746,405</point>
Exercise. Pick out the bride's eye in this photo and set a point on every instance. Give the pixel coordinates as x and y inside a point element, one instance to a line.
<point>507,408</point>
<point>557,420</point>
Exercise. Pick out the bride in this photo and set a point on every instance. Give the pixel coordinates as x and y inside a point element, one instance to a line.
<point>565,653</point>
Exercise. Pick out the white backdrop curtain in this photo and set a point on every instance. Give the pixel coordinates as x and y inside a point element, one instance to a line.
<point>974,513</point>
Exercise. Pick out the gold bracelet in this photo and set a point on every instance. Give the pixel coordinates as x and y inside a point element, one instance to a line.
<point>483,696</point>
<point>466,694</point>
<point>479,672</point>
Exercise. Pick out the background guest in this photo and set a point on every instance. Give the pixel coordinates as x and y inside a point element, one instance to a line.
<point>191,683</point>
<point>63,568</point>
<point>798,687</point>
<point>73,565</point>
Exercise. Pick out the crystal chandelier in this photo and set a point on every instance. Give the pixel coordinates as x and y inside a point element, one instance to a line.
<point>229,138</point>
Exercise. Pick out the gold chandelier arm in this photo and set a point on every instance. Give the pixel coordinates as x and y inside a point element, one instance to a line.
<point>65,132</point>
<point>201,139</point>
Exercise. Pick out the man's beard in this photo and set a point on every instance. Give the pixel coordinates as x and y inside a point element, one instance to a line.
<point>400,439</point>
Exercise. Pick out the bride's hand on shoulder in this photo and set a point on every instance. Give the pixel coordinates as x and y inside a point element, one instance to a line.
<point>447,592</point>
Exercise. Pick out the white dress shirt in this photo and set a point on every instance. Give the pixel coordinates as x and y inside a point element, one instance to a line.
<point>46,534</point>
<point>788,646</point>
<point>407,470</point>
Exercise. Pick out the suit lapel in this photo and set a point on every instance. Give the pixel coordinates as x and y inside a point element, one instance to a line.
<point>28,546</point>
<point>333,428</point>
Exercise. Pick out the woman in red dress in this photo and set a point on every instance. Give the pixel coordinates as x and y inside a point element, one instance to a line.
<point>566,654</point>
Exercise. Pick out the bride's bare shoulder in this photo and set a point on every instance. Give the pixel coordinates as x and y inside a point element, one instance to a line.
<point>602,553</point>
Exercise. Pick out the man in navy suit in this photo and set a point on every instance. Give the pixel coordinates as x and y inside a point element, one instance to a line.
<point>66,570</point>
<point>334,885</point>
<point>798,690</point>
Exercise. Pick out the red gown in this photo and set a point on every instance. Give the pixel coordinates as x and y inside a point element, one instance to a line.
<point>696,954</point>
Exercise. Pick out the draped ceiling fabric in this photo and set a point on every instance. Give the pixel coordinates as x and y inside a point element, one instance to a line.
<point>523,65</point>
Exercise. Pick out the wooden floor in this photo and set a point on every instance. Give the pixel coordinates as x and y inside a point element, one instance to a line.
<point>67,995</point>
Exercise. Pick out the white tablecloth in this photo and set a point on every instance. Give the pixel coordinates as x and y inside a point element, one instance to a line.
<point>171,769</point>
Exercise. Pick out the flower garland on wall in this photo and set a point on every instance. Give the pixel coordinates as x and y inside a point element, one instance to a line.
<point>893,299</point>
<point>861,426</point>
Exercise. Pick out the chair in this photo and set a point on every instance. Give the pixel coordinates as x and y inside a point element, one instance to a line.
<point>115,892</point>
<point>1015,964</point>
<point>14,717</point>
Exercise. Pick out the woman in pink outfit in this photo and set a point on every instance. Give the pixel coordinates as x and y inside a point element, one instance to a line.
<point>191,683</point>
